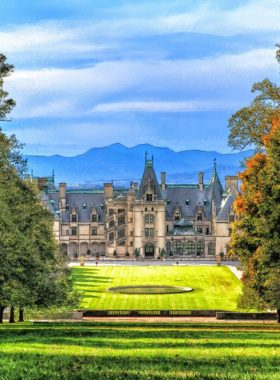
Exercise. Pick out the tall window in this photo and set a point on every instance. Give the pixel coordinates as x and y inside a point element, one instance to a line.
<point>149,219</point>
<point>211,249</point>
<point>120,210</point>
<point>207,230</point>
<point>67,232</point>
<point>146,231</point>
<point>200,248</point>
<point>205,202</point>
<point>111,224</point>
<point>167,202</point>
<point>94,231</point>
<point>149,197</point>
<point>94,218</point>
<point>74,230</point>
<point>121,221</point>
<point>199,229</point>
<point>199,216</point>
<point>190,248</point>
<point>111,211</point>
<point>131,243</point>
<point>178,247</point>
<point>74,218</point>
<point>151,232</point>
<point>111,236</point>
<point>121,233</point>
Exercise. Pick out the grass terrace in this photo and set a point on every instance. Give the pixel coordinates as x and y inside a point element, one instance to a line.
<point>214,287</point>
<point>139,351</point>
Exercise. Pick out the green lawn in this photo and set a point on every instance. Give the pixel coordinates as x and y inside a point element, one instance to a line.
<point>144,352</point>
<point>214,287</point>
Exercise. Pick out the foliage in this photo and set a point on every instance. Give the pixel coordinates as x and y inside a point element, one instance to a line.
<point>127,254</point>
<point>256,236</point>
<point>162,253</point>
<point>115,253</point>
<point>210,284</point>
<point>143,351</point>
<point>97,254</point>
<point>88,252</point>
<point>6,105</point>
<point>250,124</point>
<point>136,252</point>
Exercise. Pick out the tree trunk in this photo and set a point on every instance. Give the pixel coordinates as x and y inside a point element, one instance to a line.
<point>21,315</point>
<point>278,315</point>
<point>1,313</point>
<point>12,315</point>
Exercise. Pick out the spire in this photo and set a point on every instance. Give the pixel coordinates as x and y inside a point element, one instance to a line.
<point>149,181</point>
<point>216,187</point>
<point>149,162</point>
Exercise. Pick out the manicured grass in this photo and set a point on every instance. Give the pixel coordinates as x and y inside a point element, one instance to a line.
<point>134,351</point>
<point>214,287</point>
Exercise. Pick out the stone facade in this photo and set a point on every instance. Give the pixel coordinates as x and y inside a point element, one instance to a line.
<point>184,220</point>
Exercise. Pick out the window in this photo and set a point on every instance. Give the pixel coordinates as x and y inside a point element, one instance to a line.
<point>120,210</point>
<point>67,206</point>
<point>231,218</point>
<point>151,232</point>
<point>102,207</point>
<point>152,209</point>
<point>177,216</point>
<point>121,244</point>
<point>167,202</point>
<point>147,219</point>
<point>200,248</point>
<point>74,230</point>
<point>146,231</point>
<point>131,233</point>
<point>121,233</point>
<point>67,232</point>
<point>151,219</point>
<point>178,248</point>
<point>52,201</point>
<point>131,243</point>
<point>207,230</point>
<point>57,213</point>
<point>199,216</point>
<point>84,207</point>
<point>111,236</point>
<point>111,224</point>
<point>111,211</point>
<point>229,231</point>
<point>121,221</point>
<point>199,229</point>
<point>94,231</point>
<point>74,218</point>
<point>211,249</point>
<point>190,248</point>
<point>149,197</point>
<point>205,202</point>
<point>94,218</point>
<point>187,203</point>
<point>167,228</point>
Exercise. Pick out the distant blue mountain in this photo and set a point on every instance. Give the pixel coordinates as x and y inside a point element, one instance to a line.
<point>122,165</point>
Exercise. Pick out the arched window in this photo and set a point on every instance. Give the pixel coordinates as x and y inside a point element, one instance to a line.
<point>147,219</point>
<point>190,248</point>
<point>211,249</point>
<point>84,207</point>
<point>200,248</point>
<point>151,219</point>
<point>67,206</point>
<point>146,209</point>
<point>152,209</point>
<point>178,248</point>
<point>111,236</point>
<point>187,202</point>
<point>102,207</point>
<point>167,202</point>
<point>205,202</point>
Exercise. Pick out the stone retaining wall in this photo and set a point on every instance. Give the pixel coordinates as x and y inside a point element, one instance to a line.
<point>246,316</point>
<point>149,313</point>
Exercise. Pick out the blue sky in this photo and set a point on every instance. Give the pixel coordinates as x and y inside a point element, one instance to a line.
<point>169,73</point>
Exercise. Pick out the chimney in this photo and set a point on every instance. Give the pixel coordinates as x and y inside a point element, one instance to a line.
<point>232,184</point>
<point>135,184</point>
<point>163,174</point>
<point>108,190</point>
<point>200,182</point>
<point>62,195</point>
<point>41,182</point>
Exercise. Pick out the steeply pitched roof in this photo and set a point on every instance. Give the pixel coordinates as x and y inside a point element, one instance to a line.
<point>226,204</point>
<point>149,179</point>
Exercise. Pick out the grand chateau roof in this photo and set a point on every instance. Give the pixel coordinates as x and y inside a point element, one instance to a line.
<point>183,228</point>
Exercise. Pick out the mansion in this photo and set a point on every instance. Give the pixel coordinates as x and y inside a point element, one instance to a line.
<point>184,220</point>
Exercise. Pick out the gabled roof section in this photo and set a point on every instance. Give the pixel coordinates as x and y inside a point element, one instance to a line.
<point>149,180</point>
<point>215,187</point>
<point>226,204</point>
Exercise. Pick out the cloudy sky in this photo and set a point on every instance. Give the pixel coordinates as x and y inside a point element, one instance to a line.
<point>169,73</point>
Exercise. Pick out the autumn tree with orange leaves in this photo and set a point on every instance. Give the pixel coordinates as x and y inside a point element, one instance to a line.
<point>256,235</point>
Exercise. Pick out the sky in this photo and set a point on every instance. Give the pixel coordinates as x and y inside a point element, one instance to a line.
<point>90,73</point>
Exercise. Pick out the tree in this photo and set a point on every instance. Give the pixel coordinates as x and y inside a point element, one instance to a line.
<point>6,105</point>
<point>256,236</point>
<point>250,124</point>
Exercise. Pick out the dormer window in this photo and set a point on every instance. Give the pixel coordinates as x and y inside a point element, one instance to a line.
<point>52,201</point>
<point>149,197</point>
<point>102,207</point>
<point>167,202</point>
<point>84,207</point>
<point>74,218</point>
<point>94,218</point>
<point>57,213</point>
<point>187,203</point>
<point>67,206</point>
<point>177,216</point>
<point>205,202</point>
<point>199,216</point>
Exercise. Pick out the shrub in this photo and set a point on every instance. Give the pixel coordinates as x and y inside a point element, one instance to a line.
<point>75,254</point>
<point>88,252</point>
<point>127,254</point>
<point>115,253</point>
<point>136,253</point>
<point>97,254</point>
<point>162,253</point>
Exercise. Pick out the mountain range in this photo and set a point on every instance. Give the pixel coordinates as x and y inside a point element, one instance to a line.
<point>121,164</point>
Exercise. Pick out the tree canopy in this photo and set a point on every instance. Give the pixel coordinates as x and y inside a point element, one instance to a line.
<point>248,125</point>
